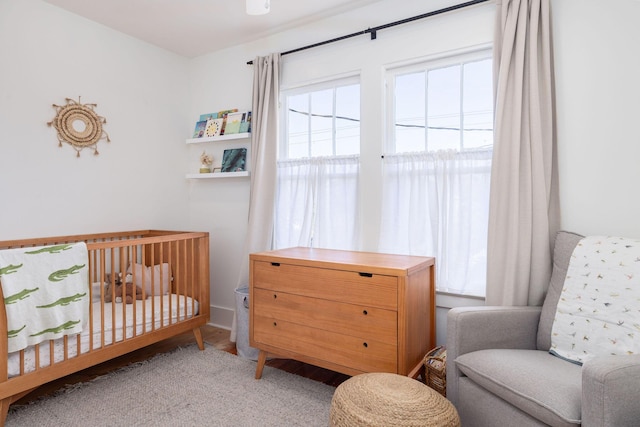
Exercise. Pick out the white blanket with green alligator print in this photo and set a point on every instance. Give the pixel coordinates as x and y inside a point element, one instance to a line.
<point>45,292</point>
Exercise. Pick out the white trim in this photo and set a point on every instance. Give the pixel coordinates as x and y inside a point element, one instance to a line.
<point>440,56</point>
<point>324,82</point>
<point>448,300</point>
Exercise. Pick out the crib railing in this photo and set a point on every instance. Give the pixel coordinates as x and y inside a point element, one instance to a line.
<point>171,269</point>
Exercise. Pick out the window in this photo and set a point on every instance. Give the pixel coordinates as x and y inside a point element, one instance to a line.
<point>318,166</point>
<point>437,166</point>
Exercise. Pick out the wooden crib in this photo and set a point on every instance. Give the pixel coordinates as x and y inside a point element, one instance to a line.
<point>176,260</point>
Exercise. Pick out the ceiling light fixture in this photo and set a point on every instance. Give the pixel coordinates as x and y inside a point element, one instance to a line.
<point>258,7</point>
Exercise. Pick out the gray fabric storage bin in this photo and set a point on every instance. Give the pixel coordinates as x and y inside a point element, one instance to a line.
<point>242,319</point>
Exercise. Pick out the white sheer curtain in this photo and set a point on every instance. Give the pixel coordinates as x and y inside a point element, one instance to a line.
<point>524,207</point>
<point>436,204</point>
<point>317,202</point>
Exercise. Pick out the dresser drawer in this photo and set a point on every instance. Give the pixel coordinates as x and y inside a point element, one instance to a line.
<point>347,319</point>
<point>343,350</point>
<point>356,287</point>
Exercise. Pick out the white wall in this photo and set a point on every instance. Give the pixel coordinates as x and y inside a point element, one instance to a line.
<point>137,180</point>
<point>220,81</point>
<point>598,93</point>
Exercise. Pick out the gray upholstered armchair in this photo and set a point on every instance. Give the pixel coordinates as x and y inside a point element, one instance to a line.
<point>500,372</point>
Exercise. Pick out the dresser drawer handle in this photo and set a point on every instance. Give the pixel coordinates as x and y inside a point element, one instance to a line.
<point>366,274</point>
<point>275,296</point>
<point>275,264</point>
<point>275,323</point>
<point>365,344</point>
<point>365,312</point>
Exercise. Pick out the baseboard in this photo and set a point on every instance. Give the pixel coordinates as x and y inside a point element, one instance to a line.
<point>221,317</point>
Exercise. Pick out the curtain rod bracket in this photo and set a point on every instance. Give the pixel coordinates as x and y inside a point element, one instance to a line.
<point>374,33</point>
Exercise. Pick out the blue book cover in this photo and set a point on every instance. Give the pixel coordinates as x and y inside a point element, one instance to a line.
<point>200,128</point>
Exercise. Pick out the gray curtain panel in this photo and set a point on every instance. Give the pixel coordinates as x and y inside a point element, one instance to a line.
<point>264,144</point>
<point>523,208</point>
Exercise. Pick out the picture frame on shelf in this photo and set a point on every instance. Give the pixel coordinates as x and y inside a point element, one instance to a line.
<point>234,160</point>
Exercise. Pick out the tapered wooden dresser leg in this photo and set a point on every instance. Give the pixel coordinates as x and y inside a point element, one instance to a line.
<point>262,358</point>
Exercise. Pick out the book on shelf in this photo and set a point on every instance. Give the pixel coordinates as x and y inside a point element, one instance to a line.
<point>233,123</point>
<point>214,127</point>
<point>209,116</point>
<point>201,126</point>
<point>223,115</point>
<point>234,160</point>
<point>245,125</point>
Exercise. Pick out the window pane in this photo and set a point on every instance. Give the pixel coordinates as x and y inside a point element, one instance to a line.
<point>298,126</point>
<point>478,104</point>
<point>443,109</point>
<point>348,120</point>
<point>322,123</point>
<point>410,112</point>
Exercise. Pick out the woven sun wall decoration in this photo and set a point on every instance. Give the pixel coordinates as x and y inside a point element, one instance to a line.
<point>78,125</point>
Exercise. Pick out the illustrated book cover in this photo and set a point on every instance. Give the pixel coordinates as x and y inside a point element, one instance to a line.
<point>214,127</point>
<point>223,115</point>
<point>233,123</point>
<point>201,126</point>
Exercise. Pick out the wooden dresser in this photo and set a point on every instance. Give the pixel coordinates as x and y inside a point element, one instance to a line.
<point>351,312</point>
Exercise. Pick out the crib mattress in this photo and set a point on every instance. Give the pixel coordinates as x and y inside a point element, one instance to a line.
<point>119,319</point>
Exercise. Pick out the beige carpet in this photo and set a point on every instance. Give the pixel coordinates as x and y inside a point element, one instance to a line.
<point>186,387</point>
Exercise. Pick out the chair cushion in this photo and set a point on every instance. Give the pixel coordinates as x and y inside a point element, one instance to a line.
<point>564,245</point>
<point>545,387</point>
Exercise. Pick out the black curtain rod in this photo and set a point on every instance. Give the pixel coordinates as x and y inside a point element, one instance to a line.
<point>373,31</point>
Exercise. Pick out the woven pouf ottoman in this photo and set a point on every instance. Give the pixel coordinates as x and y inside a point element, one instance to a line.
<point>384,399</point>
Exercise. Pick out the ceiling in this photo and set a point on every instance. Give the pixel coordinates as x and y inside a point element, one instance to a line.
<point>195,27</point>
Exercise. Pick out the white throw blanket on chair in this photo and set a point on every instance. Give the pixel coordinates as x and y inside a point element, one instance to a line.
<point>598,312</point>
<point>45,292</point>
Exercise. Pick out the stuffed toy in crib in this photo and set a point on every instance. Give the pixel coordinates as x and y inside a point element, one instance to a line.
<point>123,292</point>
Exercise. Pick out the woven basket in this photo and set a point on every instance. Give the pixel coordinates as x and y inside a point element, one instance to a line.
<point>381,399</point>
<point>435,367</point>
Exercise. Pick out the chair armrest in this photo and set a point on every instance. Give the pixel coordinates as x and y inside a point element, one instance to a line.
<point>610,388</point>
<point>478,328</point>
